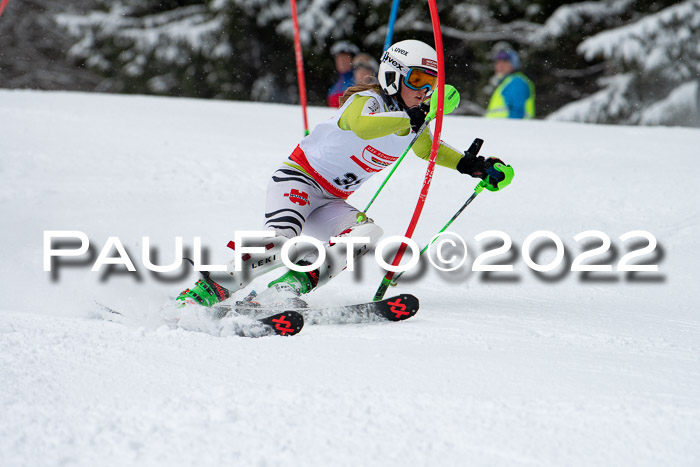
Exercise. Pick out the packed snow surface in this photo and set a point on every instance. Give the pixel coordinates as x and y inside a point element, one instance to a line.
<point>497,368</point>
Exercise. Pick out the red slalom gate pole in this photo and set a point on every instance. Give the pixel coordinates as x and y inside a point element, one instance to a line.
<point>3,4</point>
<point>386,281</point>
<point>300,66</point>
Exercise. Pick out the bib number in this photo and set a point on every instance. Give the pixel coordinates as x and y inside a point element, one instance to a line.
<point>347,182</point>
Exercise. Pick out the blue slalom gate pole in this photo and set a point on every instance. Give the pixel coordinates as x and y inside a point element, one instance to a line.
<point>390,28</point>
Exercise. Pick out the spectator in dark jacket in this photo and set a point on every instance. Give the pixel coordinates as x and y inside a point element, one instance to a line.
<point>343,53</point>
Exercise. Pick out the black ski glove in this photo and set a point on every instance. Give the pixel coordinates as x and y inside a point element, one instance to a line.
<point>480,167</point>
<point>417,115</point>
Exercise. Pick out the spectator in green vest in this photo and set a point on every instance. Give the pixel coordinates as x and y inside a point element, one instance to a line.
<point>514,96</point>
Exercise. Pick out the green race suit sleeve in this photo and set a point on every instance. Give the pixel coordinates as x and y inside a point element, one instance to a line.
<point>447,156</point>
<point>364,118</point>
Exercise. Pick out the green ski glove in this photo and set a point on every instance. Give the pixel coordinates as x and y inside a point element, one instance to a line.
<point>498,176</point>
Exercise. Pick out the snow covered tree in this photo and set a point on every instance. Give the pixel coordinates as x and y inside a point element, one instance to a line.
<point>171,47</point>
<point>653,63</point>
<point>626,61</point>
<point>32,48</point>
<point>239,49</point>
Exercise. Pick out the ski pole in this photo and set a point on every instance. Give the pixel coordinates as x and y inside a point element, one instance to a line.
<point>451,103</point>
<point>477,189</point>
<point>505,178</point>
<point>362,216</point>
<point>471,152</point>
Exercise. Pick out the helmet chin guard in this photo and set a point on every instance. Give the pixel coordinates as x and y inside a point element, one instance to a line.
<point>400,58</point>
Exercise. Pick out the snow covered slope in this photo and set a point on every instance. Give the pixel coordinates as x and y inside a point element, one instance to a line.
<point>506,368</point>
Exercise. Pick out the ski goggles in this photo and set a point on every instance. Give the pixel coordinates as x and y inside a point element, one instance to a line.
<point>420,78</point>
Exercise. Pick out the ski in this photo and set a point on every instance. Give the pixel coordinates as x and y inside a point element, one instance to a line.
<point>397,308</point>
<point>286,323</point>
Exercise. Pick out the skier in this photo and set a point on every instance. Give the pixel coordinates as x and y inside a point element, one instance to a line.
<point>307,194</point>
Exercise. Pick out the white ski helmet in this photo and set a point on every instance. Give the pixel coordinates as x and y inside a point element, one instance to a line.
<point>398,61</point>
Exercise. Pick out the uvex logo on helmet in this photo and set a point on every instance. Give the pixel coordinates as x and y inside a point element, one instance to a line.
<point>395,63</point>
